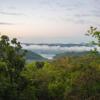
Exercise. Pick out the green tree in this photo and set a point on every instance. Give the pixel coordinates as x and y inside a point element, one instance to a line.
<point>12,54</point>
<point>12,62</point>
<point>96,35</point>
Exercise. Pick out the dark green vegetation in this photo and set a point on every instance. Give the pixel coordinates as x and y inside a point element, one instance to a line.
<point>34,56</point>
<point>67,78</point>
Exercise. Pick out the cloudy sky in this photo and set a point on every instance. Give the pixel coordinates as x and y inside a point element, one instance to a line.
<point>49,20</point>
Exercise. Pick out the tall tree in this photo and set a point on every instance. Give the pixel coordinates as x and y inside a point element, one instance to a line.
<point>12,62</point>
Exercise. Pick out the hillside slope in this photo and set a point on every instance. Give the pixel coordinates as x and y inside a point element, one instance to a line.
<point>34,56</point>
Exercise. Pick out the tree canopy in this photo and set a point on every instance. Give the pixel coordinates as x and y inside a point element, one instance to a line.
<point>65,78</point>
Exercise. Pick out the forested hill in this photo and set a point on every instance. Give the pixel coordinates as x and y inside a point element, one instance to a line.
<point>34,56</point>
<point>69,54</point>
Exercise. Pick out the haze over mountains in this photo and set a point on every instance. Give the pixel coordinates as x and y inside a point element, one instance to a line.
<point>50,50</point>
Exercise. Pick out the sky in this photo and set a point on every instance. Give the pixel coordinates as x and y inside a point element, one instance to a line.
<point>50,21</point>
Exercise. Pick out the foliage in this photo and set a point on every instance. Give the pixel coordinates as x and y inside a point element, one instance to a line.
<point>12,62</point>
<point>96,35</point>
<point>66,78</point>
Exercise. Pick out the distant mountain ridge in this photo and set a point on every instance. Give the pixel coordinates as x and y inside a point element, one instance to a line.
<point>58,44</point>
<point>46,50</point>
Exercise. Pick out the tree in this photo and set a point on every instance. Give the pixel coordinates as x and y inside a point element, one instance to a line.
<point>12,54</point>
<point>96,35</point>
<point>12,62</point>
